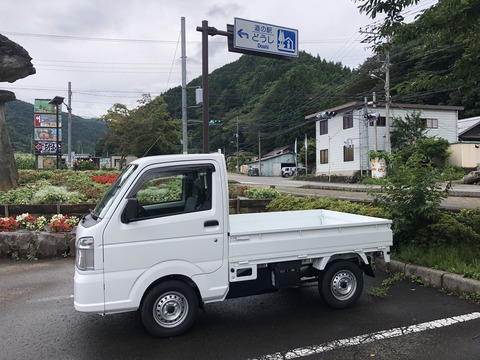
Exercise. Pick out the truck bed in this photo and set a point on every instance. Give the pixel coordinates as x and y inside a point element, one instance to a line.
<point>306,234</point>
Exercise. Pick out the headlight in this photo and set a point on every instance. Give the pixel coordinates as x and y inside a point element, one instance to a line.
<point>85,252</point>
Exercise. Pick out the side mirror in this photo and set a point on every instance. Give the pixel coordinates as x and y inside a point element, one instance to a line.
<point>131,210</point>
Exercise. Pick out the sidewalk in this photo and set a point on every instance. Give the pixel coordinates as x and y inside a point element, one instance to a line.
<point>457,189</point>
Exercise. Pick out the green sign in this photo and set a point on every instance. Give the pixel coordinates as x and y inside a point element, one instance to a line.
<point>42,106</point>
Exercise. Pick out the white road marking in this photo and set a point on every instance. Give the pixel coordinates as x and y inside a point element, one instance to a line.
<point>368,338</point>
<point>53,298</point>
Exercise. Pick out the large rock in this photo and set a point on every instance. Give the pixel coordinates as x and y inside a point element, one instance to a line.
<point>472,177</point>
<point>15,63</point>
<point>26,244</point>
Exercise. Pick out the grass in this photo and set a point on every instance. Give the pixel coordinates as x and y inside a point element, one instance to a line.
<point>463,260</point>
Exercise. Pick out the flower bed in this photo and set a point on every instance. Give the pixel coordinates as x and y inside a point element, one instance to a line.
<point>57,223</point>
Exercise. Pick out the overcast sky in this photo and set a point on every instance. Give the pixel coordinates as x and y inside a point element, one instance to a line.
<point>113,51</point>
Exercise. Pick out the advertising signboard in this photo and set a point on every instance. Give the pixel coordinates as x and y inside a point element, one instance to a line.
<point>42,106</point>
<point>47,133</point>
<point>47,120</point>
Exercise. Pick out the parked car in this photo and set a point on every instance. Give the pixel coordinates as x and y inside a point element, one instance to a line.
<point>288,171</point>
<point>253,172</point>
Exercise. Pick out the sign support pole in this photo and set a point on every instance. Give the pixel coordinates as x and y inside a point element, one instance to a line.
<point>205,85</point>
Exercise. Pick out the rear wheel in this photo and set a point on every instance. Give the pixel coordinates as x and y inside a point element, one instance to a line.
<point>169,309</point>
<point>341,284</point>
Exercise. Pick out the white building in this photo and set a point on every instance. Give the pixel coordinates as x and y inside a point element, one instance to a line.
<point>344,140</point>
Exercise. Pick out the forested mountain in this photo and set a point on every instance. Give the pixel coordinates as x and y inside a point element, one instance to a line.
<point>19,117</point>
<point>267,96</point>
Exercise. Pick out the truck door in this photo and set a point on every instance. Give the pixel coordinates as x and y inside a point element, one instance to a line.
<point>179,229</point>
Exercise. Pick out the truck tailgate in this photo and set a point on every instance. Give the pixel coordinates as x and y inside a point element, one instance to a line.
<point>290,235</point>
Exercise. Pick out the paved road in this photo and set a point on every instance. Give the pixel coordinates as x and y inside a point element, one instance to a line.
<point>460,197</point>
<point>38,321</point>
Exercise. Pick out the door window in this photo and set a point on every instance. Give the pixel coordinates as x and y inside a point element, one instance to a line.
<point>174,191</point>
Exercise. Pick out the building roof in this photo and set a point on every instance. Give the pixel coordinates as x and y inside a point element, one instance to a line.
<point>465,125</point>
<point>274,153</point>
<point>358,105</point>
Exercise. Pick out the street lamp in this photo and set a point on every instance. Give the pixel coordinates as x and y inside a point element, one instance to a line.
<point>387,107</point>
<point>57,101</point>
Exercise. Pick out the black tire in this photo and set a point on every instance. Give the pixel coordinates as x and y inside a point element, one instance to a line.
<point>169,309</point>
<point>341,284</point>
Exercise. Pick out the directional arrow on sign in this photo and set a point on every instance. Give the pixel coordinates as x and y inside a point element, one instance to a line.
<point>241,33</point>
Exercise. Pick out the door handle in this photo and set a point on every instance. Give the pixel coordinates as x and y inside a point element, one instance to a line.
<point>211,223</point>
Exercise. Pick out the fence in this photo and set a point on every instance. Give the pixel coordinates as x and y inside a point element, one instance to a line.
<point>236,206</point>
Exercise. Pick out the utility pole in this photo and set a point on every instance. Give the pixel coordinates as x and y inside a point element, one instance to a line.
<point>69,147</point>
<point>388,147</point>
<point>373,38</point>
<point>306,148</point>
<point>184,89</point>
<point>367,127</point>
<point>238,165</point>
<point>259,156</point>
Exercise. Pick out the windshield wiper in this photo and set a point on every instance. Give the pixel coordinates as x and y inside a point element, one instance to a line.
<point>89,212</point>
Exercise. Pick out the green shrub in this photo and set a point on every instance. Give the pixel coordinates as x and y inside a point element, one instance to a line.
<point>445,229</point>
<point>470,218</point>
<point>32,176</point>
<point>235,191</point>
<point>85,165</point>
<point>262,193</point>
<point>19,196</point>
<point>288,202</point>
<point>56,195</point>
<point>24,161</point>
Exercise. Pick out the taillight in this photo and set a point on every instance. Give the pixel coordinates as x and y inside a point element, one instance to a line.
<point>85,252</point>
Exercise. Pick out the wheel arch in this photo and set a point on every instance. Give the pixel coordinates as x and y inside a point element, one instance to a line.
<point>358,257</point>
<point>176,277</point>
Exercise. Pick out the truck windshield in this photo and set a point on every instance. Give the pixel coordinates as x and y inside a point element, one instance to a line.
<point>103,206</point>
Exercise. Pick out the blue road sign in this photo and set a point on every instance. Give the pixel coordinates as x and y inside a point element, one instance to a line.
<point>257,36</point>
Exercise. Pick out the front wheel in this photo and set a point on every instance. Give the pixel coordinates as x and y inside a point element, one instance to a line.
<point>169,309</point>
<point>341,284</point>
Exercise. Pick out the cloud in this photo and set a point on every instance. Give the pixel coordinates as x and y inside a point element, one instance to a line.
<point>112,51</point>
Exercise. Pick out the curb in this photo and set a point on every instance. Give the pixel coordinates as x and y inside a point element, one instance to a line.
<point>439,279</point>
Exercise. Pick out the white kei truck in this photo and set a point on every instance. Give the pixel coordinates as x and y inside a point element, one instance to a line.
<point>162,241</point>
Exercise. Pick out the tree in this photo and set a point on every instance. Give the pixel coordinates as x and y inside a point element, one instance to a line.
<point>442,52</point>
<point>145,130</point>
<point>120,134</point>
<point>411,194</point>
<point>407,131</point>
<point>392,10</point>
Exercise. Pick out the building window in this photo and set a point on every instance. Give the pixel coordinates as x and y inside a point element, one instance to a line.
<point>323,127</point>
<point>348,153</point>
<point>431,123</point>
<point>381,121</point>
<point>348,121</point>
<point>324,156</point>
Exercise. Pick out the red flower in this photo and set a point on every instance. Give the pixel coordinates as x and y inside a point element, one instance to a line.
<point>7,224</point>
<point>105,179</point>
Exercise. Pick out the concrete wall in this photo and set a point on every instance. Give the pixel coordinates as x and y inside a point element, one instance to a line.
<point>466,155</point>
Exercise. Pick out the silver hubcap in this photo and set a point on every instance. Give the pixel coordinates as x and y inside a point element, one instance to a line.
<point>343,285</point>
<point>170,309</point>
